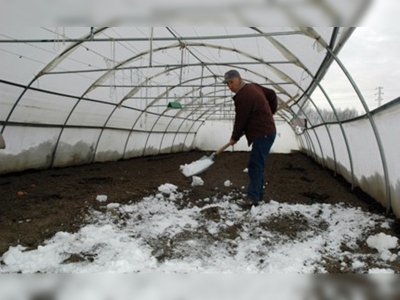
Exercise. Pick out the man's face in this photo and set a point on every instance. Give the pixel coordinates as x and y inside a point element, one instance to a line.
<point>234,84</point>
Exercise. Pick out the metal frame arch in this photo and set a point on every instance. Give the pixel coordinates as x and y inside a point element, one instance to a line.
<point>293,114</point>
<point>341,127</point>
<point>158,98</point>
<point>275,70</point>
<point>143,111</point>
<point>119,106</point>
<point>176,115</point>
<point>273,83</point>
<point>198,121</point>
<point>136,89</point>
<point>327,130</point>
<point>199,108</point>
<point>208,111</point>
<point>310,145</point>
<point>116,67</point>
<point>314,35</point>
<point>292,57</point>
<point>343,133</point>
<point>374,128</point>
<point>194,121</point>
<point>324,123</point>
<point>281,74</point>
<point>51,65</point>
<point>318,141</point>
<point>132,92</point>
<point>289,55</point>
<point>184,110</point>
<point>281,48</point>
<point>149,105</point>
<point>91,87</point>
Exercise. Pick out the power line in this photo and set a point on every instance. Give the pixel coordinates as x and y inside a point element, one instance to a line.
<point>379,94</point>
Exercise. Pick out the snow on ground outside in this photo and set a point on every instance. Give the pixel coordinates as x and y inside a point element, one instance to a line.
<point>154,236</point>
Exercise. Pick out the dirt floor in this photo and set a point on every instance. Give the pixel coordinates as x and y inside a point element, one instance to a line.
<point>34,205</point>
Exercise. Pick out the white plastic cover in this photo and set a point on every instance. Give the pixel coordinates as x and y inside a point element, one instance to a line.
<point>75,95</point>
<point>86,94</point>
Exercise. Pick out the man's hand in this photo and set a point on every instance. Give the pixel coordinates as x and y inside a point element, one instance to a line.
<point>232,142</point>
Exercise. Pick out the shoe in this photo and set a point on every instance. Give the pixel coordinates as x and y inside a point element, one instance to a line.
<point>247,202</point>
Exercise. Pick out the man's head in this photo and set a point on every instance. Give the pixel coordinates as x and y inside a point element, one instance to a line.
<point>233,80</point>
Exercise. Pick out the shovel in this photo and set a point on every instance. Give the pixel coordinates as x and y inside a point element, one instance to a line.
<point>202,164</point>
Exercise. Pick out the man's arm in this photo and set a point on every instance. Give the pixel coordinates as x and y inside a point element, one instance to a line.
<point>243,108</point>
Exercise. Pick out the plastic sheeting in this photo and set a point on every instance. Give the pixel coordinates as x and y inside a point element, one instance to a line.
<point>77,95</point>
<point>360,161</point>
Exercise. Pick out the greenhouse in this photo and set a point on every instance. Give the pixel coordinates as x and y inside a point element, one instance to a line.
<point>73,97</point>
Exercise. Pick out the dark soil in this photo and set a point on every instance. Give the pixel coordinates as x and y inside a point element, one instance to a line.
<point>58,199</point>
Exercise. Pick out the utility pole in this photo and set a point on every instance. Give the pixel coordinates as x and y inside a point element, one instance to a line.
<point>379,94</point>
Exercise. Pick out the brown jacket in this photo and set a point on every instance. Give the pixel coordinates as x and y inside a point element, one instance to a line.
<point>254,106</point>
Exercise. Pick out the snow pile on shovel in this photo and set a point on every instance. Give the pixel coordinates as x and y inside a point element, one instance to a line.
<point>196,167</point>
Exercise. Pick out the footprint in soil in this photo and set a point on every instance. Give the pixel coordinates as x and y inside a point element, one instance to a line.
<point>96,180</point>
<point>290,167</point>
<point>315,196</point>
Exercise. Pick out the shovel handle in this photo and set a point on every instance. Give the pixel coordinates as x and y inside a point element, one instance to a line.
<point>220,150</point>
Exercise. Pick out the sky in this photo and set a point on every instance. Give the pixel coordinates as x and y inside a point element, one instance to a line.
<point>371,55</point>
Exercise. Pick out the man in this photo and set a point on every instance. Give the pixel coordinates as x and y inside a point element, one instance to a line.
<point>254,107</point>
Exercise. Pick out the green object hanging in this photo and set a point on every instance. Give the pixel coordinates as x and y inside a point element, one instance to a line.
<point>174,105</point>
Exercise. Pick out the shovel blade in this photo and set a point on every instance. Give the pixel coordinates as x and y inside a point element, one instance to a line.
<point>197,167</point>
<point>212,156</point>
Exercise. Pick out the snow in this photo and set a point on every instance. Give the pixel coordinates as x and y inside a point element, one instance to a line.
<point>227,183</point>
<point>380,271</point>
<point>167,188</point>
<point>101,198</point>
<point>382,242</point>
<point>357,264</point>
<point>385,225</point>
<point>197,181</point>
<point>132,238</point>
<point>160,241</point>
<point>196,167</point>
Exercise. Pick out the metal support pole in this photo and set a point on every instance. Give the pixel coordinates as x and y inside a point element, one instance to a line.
<point>373,125</point>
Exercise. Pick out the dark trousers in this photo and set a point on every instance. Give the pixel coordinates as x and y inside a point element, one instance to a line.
<point>257,161</point>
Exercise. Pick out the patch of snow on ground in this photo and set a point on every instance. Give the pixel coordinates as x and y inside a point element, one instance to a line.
<point>382,242</point>
<point>227,183</point>
<point>167,188</point>
<point>101,198</point>
<point>197,181</point>
<point>380,271</point>
<point>153,236</point>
